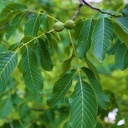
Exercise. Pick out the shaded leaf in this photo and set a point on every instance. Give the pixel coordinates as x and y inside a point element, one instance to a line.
<point>102,37</point>
<point>27,39</point>
<point>44,55</point>
<point>113,48</point>
<point>67,64</point>
<point>125,10</point>
<point>32,25</point>
<point>60,89</point>
<point>102,99</point>
<point>123,22</point>
<point>92,67</point>
<point>121,34</point>
<point>14,46</point>
<point>5,107</point>
<point>77,28</point>
<point>9,12</point>
<point>54,40</point>
<point>46,23</point>
<point>84,107</point>
<point>15,7</point>
<point>8,61</point>
<point>31,73</point>
<point>15,22</point>
<point>121,57</point>
<point>84,38</point>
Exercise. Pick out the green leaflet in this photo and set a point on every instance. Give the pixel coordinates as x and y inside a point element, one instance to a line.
<point>15,22</point>
<point>14,46</point>
<point>121,57</point>
<point>125,10</point>
<point>8,61</point>
<point>31,73</point>
<point>121,33</point>
<point>11,9</point>
<point>84,38</point>
<point>77,28</point>
<point>102,99</point>
<point>102,37</point>
<point>45,23</point>
<point>5,107</point>
<point>43,55</point>
<point>32,25</point>
<point>92,67</point>
<point>60,89</point>
<point>54,39</point>
<point>67,64</point>
<point>123,22</point>
<point>9,12</point>
<point>113,48</point>
<point>84,107</point>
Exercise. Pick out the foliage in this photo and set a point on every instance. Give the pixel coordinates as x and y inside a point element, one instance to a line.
<point>64,72</point>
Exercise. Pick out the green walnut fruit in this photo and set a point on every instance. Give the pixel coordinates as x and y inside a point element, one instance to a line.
<point>69,24</point>
<point>58,26</point>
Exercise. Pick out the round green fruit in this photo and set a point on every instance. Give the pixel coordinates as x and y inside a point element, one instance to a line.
<point>69,24</point>
<point>58,26</point>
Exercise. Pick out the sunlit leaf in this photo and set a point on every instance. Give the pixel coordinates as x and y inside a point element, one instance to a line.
<point>60,89</point>
<point>84,107</point>
<point>31,72</point>
<point>32,25</point>
<point>84,38</point>
<point>102,37</point>
<point>102,99</point>
<point>8,61</point>
<point>121,57</point>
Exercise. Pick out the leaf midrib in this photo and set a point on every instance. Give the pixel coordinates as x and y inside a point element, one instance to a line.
<point>30,69</point>
<point>7,64</point>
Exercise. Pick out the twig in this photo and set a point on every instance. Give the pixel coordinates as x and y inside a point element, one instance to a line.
<point>78,10</point>
<point>97,9</point>
<point>82,2</point>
